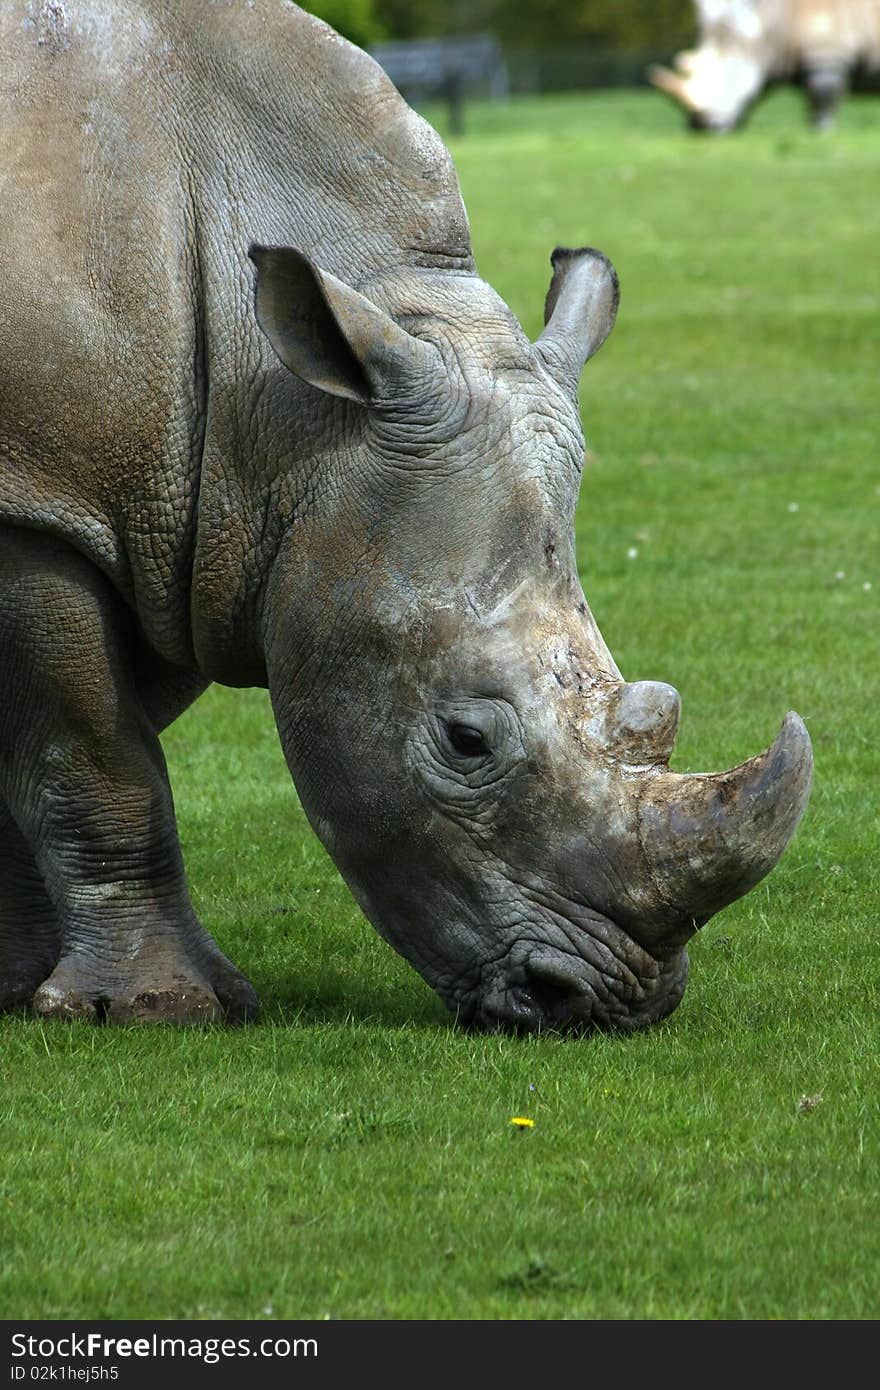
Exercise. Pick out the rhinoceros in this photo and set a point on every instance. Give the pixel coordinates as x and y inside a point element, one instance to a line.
<point>263,424</point>
<point>745,46</point>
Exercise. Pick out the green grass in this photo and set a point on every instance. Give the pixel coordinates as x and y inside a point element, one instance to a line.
<point>351,1155</point>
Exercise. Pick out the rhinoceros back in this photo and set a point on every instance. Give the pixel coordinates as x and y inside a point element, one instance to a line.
<point>145,147</point>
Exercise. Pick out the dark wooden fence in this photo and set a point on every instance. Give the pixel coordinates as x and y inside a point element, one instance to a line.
<point>451,69</point>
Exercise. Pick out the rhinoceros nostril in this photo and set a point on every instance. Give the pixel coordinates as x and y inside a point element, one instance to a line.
<point>554,990</point>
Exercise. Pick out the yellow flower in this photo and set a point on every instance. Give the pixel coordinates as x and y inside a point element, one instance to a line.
<point>522,1122</point>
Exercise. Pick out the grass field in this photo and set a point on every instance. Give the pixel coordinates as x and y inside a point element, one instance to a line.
<point>351,1155</point>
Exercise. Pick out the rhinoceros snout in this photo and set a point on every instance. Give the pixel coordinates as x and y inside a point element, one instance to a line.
<point>553,994</point>
<point>529,1002</point>
<point>532,1008</point>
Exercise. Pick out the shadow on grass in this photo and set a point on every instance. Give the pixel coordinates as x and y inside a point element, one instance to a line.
<point>310,1005</point>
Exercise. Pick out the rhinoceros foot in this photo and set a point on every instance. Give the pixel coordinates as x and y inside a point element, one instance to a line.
<point>167,989</point>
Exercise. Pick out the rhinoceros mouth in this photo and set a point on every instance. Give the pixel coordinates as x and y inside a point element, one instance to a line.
<point>538,1007</point>
<point>560,991</point>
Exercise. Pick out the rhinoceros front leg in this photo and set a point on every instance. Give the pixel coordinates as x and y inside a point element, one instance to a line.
<point>83,774</point>
<point>30,937</point>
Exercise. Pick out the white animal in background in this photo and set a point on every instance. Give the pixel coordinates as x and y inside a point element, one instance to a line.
<point>745,46</point>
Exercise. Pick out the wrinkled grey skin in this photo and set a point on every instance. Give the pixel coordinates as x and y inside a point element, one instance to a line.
<point>263,424</point>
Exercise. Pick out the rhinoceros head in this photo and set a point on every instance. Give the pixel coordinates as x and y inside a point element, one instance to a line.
<point>497,797</point>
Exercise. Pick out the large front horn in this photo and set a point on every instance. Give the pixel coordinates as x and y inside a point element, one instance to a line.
<point>708,839</point>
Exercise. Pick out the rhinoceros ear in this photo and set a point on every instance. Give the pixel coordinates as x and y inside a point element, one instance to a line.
<point>331,336</point>
<point>579,311</point>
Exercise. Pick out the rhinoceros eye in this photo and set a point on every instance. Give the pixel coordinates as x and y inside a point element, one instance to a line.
<point>467,741</point>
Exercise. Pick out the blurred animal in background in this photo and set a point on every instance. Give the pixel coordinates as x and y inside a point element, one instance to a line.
<point>747,45</point>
